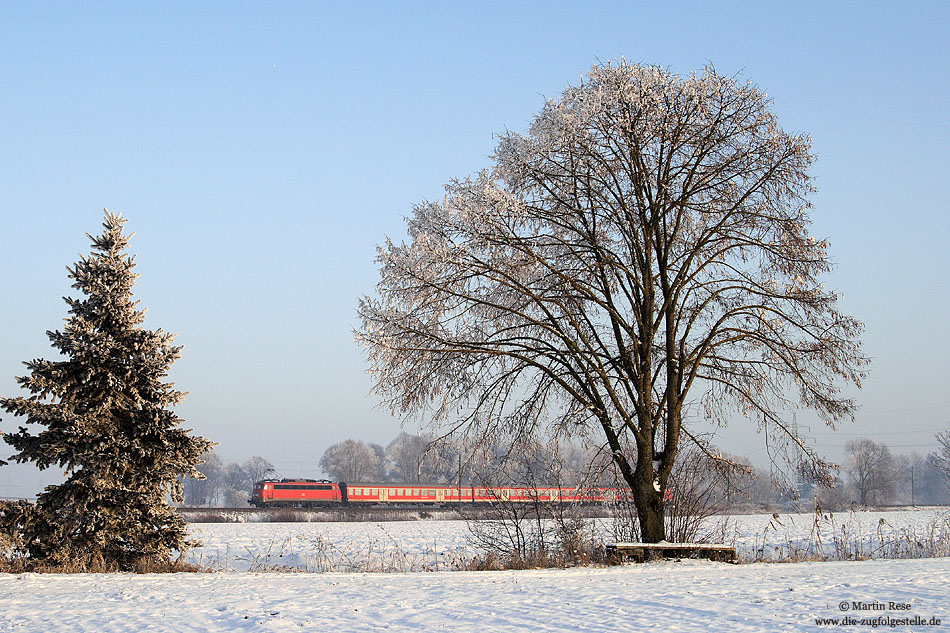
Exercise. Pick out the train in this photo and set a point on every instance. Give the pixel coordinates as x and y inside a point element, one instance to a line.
<point>323,493</point>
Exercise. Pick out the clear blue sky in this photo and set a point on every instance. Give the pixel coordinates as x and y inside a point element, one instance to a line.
<point>262,150</point>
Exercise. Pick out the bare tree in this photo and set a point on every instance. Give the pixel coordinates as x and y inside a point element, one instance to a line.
<point>228,484</point>
<point>205,491</point>
<point>382,462</point>
<point>236,485</point>
<point>942,459</point>
<point>257,468</point>
<point>421,458</point>
<point>643,248</point>
<point>872,471</point>
<point>350,460</point>
<point>405,454</point>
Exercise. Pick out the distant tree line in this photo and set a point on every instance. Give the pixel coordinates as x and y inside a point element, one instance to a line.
<point>406,459</point>
<point>871,474</point>
<point>875,476</point>
<point>225,484</point>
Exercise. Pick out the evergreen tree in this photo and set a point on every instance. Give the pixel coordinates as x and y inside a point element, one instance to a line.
<point>108,423</point>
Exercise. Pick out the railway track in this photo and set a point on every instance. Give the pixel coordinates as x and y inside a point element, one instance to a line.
<point>339,514</point>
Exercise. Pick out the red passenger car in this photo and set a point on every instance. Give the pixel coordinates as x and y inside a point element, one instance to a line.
<point>310,493</point>
<point>359,494</point>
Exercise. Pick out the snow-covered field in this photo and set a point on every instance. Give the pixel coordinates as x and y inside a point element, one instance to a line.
<point>671,596</point>
<point>438,545</point>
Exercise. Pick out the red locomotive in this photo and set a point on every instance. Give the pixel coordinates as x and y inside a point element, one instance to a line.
<point>301,493</point>
<point>310,493</point>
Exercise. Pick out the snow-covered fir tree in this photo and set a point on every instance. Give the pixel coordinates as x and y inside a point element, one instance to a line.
<point>106,415</point>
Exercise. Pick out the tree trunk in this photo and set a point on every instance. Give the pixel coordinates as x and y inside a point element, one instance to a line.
<point>648,501</point>
<point>650,512</point>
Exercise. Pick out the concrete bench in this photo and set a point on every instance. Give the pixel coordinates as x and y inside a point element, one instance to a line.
<point>640,552</point>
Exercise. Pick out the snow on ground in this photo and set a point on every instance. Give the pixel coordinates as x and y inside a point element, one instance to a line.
<point>391,546</point>
<point>671,596</point>
<point>862,533</point>
<point>436,545</point>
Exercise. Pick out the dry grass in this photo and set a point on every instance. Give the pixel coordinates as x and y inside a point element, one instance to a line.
<point>94,565</point>
<point>315,553</point>
<point>834,539</point>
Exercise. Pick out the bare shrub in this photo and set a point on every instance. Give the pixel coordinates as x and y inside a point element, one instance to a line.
<point>701,490</point>
<point>625,526</point>
<point>701,487</point>
<point>540,532</point>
